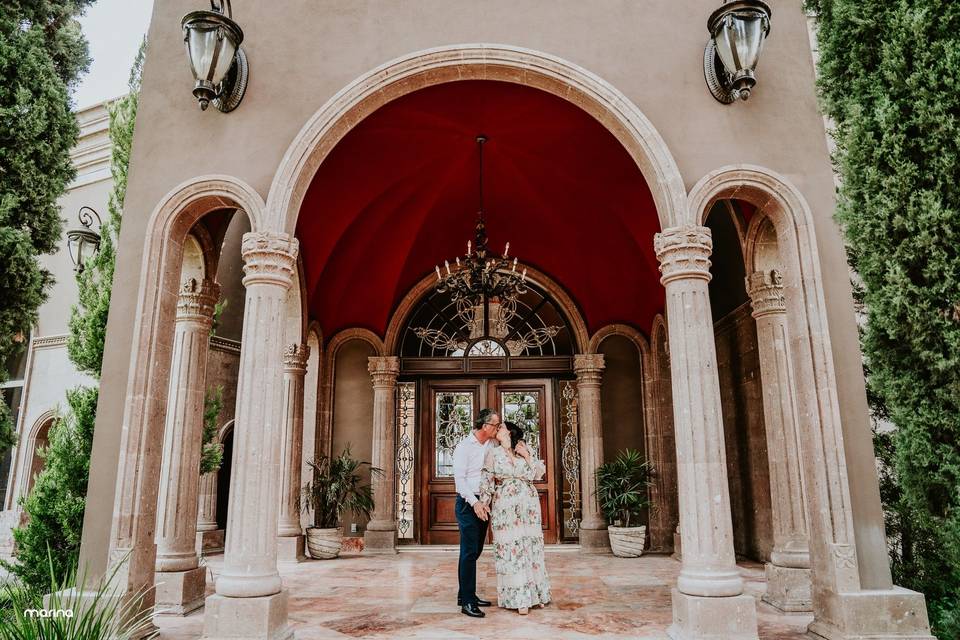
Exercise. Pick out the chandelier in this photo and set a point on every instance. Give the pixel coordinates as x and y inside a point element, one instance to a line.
<point>481,276</point>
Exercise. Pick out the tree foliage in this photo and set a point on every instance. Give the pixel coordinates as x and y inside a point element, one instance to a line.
<point>890,80</point>
<point>211,456</point>
<point>42,53</point>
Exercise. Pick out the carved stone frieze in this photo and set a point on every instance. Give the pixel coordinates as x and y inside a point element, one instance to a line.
<point>588,367</point>
<point>269,257</point>
<point>295,357</point>
<point>684,252</point>
<point>766,292</point>
<point>197,300</point>
<point>384,370</point>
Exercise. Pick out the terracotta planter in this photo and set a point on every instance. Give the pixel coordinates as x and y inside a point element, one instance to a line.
<point>324,544</point>
<point>627,542</point>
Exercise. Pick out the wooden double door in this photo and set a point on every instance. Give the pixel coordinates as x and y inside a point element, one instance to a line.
<point>448,410</point>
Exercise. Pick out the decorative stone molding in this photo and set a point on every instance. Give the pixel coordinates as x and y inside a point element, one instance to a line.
<point>384,370</point>
<point>219,343</point>
<point>197,300</point>
<point>765,289</point>
<point>588,367</point>
<point>684,252</point>
<point>50,342</point>
<point>421,69</point>
<point>295,357</point>
<point>269,257</point>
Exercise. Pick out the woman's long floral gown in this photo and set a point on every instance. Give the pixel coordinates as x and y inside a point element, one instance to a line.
<point>517,534</point>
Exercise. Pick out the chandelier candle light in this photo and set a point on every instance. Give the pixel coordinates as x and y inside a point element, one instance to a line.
<point>481,276</point>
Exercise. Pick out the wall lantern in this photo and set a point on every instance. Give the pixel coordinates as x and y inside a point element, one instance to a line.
<point>218,63</point>
<point>83,242</point>
<point>737,31</point>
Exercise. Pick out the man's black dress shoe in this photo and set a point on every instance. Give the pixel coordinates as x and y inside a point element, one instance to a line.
<point>480,603</point>
<point>472,610</point>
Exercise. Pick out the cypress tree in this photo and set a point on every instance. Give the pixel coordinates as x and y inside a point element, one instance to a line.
<point>889,77</point>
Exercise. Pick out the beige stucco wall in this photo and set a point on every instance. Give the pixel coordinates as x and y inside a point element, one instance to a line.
<point>302,52</point>
<point>621,397</point>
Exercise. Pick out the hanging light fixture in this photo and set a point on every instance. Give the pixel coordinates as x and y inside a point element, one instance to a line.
<point>737,32</point>
<point>218,63</point>
<point>83,242</point>
<point>481,276</point>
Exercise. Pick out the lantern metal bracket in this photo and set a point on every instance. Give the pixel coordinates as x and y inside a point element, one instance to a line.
<point>718,80</point>
<point>234,84</point>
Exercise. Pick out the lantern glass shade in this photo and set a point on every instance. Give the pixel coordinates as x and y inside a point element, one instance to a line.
<point>212,40</point>
<point>739,40</point>
<point>82,244</point>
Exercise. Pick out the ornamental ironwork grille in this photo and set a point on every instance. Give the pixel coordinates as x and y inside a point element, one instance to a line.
<point>570,460</point>
<point>406,457</point>
<point>528,324</point>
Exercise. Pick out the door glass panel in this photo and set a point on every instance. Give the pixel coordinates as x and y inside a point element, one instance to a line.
<point>523,409</point>
<point>406,419</point>
<point>454,422</point>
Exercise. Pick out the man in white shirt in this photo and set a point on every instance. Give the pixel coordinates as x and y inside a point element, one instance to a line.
<point>472,515</point>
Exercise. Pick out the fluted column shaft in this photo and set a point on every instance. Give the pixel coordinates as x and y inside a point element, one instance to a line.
<point>589,369</point>
<point>207,511</point>
<point>294,370</point>
<point>709,564</point>
<point>790,535</point>
<point>250,554</point>
<point>384,372</point>
<point>183,431</point>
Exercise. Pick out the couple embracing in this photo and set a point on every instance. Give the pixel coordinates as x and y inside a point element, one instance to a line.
<point>494,486</point>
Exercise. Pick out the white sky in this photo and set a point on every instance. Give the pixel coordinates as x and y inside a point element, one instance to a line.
<point>114,29</point>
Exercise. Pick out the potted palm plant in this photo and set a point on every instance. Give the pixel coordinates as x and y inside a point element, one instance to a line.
<point>334,489</point>
<point>622,497</point>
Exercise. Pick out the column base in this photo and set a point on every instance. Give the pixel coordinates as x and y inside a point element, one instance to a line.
<point>210,542</point>
<point>894,614</point>
<point>264,618</point>
<point>594,541</point>
<point>788,589</point>
<point>704,618</point>
<point>180,592</point>
<point>380,542</point>
<point>290,549</point>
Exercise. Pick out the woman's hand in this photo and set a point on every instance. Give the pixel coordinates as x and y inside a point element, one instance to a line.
<point>522,450</point>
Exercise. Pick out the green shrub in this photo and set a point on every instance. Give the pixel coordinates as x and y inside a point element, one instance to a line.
<point>335,488</point>
<point>211,456</point>
<point>622,487</point>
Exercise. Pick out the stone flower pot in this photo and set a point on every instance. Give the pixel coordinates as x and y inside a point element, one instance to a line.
<point>324,543</point>
<point>627,542</point>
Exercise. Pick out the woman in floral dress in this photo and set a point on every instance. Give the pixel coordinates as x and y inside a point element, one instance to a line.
<point>508,473</point>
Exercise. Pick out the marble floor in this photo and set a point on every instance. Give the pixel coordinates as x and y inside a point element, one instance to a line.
<point>413,595</point>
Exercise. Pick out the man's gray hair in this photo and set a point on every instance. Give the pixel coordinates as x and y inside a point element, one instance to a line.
<point>484,418</point>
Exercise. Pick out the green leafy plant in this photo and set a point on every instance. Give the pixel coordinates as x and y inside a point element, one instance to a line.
<point>211,456</point>
<point>57,612</point>
<point>335,488</point>
<point>622,487</point>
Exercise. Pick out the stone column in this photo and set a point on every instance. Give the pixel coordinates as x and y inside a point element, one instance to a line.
<point>593,527</point>
<point>381,533</point>
<point>209,537</point>
<point>180,582</point>
<point>289,533</point>
<point>788,572</point>
<point>708,601</point>
<point>250,600</point>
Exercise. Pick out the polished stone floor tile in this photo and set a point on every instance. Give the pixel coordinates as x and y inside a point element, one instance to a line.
<point>412,595</point>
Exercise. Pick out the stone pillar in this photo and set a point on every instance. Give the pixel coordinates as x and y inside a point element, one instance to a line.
<point>250,600</point>
<point>788,572</point>
<point>593,527</point>
<point>381,533</point>
<point>708,601</point>
<point>289,533</point>
<point>209,537</point>
<point>180,582</point>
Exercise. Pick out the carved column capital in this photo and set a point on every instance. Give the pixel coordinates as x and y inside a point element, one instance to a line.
<point>588,367</point>
<point>384,370</point>
<point>295,357</point>
<point>684,252</point>
<point>269,258</point>
<point>766,293</point>
<point>197,300</point>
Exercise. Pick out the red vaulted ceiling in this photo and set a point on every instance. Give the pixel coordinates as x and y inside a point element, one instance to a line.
<point>399,194</point>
